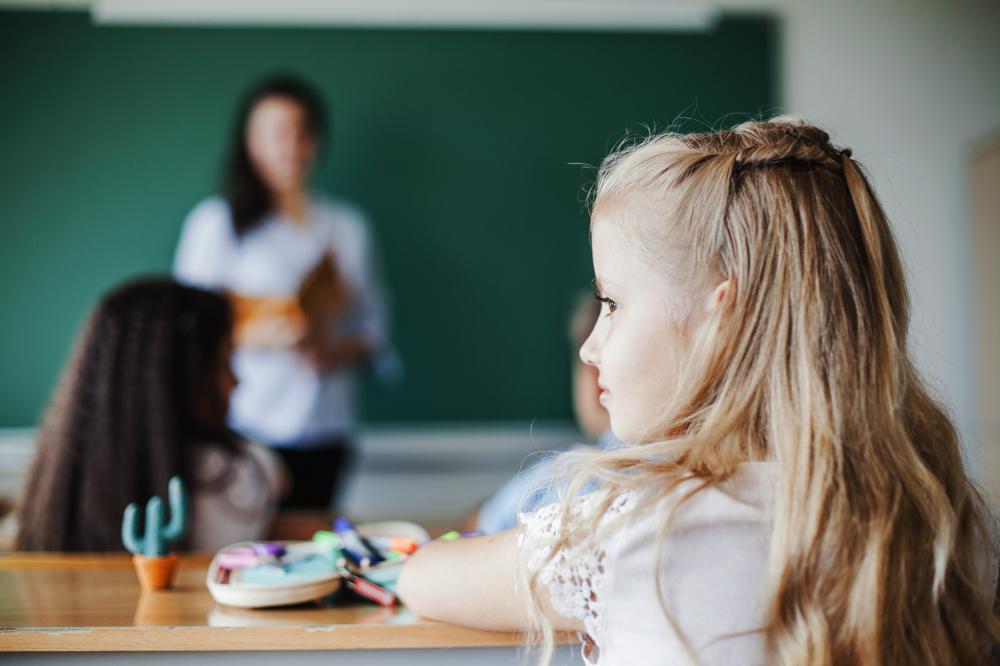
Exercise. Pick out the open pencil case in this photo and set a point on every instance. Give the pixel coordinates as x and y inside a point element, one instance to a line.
<point>263,574</point>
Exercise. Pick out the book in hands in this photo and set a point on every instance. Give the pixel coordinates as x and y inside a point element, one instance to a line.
<point>284,321</point>
<point>324,292</point>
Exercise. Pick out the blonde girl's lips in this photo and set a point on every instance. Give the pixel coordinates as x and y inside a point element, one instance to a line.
<point>605,396</point>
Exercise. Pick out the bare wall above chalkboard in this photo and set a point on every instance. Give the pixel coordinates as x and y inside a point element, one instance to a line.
<point>464,147</point>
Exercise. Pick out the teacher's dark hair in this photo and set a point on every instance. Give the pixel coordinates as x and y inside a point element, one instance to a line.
<point>137,395</point>
<point>248,196</point>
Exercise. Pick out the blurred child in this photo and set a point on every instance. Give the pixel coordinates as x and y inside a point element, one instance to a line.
<point>144,397</point>
<point>790,493</point>
<point>532,487</point>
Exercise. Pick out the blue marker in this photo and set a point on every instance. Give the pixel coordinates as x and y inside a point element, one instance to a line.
<point>354,545</point>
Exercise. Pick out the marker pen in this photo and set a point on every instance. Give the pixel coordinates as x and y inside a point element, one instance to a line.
<point>270,553</point>
<point>369,590</point>
<point>352,543</point>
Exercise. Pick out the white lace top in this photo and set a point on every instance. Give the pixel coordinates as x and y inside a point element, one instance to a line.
<point>712,574</point>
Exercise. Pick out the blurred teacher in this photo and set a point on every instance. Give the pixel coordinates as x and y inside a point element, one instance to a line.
<point>302,273</point>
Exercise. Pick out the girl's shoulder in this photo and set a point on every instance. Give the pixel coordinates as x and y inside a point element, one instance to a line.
<point>747,495</point>
<point>219,468</point>
<point>697,515</point>
<point>235,494</point>
<point>544,526</point>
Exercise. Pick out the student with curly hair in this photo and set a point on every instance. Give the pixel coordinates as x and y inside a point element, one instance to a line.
<point>144,397</point>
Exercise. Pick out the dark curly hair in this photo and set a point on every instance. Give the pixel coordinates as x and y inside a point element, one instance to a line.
<point>138,393</point>
<point>248,196</point>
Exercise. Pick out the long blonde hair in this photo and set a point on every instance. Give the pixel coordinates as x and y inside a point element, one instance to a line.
<point>877,528</point>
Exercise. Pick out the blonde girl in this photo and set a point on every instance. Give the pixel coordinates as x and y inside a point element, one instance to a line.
<point>792,494</point>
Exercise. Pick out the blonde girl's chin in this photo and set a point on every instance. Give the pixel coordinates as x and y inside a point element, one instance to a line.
<point>624,433</point>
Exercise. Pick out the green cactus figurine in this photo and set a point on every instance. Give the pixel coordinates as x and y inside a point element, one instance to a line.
<point>153,564</point>
<point>156,538</point>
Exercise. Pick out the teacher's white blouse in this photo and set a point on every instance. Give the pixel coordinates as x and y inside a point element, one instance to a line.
<point>280,399</point>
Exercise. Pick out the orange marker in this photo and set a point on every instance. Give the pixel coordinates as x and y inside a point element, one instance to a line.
<point>403,545</point>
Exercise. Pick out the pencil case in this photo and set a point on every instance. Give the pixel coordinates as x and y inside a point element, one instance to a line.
<point>265,574</point>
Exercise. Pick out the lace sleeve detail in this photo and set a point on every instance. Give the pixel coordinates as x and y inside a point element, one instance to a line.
<point>575,576</point>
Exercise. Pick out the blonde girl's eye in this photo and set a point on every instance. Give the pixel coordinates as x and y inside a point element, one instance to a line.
<point>611,305</point>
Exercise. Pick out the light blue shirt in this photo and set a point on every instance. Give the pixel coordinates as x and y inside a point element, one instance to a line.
<point>530,489</point>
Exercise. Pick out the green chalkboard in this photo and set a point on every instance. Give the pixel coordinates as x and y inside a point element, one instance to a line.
<point>464,146</point>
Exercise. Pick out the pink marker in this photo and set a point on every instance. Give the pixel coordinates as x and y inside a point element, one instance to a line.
<point>369,590</point>
<point>238,558</point>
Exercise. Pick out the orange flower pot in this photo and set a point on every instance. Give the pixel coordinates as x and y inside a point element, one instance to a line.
<point>155,573</point>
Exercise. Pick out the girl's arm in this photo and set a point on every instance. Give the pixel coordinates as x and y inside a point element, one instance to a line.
<point>473,582</point>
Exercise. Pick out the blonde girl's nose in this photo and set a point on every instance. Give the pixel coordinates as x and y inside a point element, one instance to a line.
<point>588,350</point>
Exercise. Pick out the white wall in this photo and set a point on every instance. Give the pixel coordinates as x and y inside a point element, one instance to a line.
<point>910,85</point>
<point>432,474</point>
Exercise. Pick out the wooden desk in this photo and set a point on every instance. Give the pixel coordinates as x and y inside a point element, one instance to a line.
<point>92,603</point>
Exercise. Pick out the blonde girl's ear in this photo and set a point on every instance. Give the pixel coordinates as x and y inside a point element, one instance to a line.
<point>719,298</point>
<point>713,303</point>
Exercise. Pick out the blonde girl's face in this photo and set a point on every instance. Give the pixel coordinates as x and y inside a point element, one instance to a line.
<point>639,340</point>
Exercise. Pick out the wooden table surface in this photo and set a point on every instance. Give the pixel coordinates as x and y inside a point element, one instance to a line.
<point>92,603</point>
